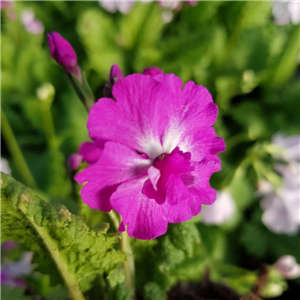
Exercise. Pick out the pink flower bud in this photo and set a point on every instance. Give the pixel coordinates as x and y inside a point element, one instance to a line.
<point>115,74</point>
<point>153,71</point>
<point>74,161</point>
<point>62,51</point>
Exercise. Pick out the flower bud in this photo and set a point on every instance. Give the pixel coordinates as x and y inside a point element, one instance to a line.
<point>114,76</point>
<point>153,71</point>
<point>62,51</point>
<point>74,161</point>
<point>46,92</point>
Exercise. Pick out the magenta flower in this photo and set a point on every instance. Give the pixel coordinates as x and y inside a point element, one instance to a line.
<point>159,153</point>
<point>62,51</point>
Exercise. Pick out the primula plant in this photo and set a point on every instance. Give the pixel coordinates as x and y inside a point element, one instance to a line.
<point>150,150</point>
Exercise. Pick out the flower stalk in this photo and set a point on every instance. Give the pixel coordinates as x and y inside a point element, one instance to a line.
<point>16,152</point>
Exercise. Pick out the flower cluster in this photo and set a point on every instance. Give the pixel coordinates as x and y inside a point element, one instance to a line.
<point>159,151</point>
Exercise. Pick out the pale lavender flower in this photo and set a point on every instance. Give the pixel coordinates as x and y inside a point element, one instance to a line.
<point>285,12</point>
<point>30,23</point>
<point>288,267</point>
<point>282,207</point>
<point>5,168</point>
<point>289,147</point>
<point>222,210</point>
<point>123,7</point>
<point>12,272</point>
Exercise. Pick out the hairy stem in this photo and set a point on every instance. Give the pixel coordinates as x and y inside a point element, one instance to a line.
<point>128,265</point>
<point>16,152</point>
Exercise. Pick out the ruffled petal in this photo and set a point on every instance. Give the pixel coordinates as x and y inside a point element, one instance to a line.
<point>116,165</point>
<point>138,118</point>
<point>144,217</point>
<point>202,143</point>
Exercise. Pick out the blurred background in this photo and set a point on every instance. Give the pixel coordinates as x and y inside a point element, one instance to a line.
<point>246,53</point>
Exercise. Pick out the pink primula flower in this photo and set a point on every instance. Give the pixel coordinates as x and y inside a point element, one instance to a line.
<point>159,153</point>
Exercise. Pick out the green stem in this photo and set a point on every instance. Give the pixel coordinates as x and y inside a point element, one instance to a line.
<point>16,152</point>
<point>114,218</point>
<point>233,37</point>
<point>49,126</point>
<point>128,265</point>
<point>67,276</point>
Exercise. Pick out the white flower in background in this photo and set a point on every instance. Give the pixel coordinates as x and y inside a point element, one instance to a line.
<point>5,166</point>
<point>222,210</point>
<point>282,207</point>
<point>30,23</point>
<point>123,7</point>
<point>289,146</point>
<point>287,266</point>
<point>285,12</point>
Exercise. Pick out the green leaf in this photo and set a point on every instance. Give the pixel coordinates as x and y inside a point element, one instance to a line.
<point>154,292</point>
<point>116,276</point>
<point>15,293</point>
<point>287,62</point>
<point>57,237</point>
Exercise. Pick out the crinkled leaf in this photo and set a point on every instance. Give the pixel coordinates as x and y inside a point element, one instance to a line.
<point>45,229</point>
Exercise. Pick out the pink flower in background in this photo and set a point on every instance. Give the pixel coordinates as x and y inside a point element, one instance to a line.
<point>9,245</point>
<point>4,4</point>
<point>285,12</point>
<point>287,266</point>
<point>222,210</point>
<point>8,6</point>
<point>159,153</point>
<point>123,7</point>
<point>30,23</point>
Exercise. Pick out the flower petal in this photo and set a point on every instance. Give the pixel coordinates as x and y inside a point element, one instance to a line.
<point>90,152</point>
<point>141,110</point>
<point>116,165</point>
<point>145,219</point>
<point>202,143</point>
